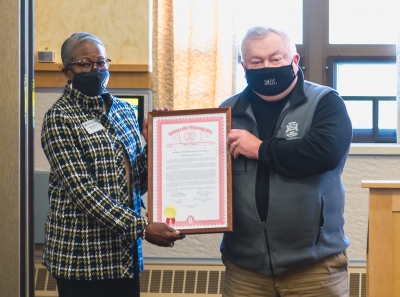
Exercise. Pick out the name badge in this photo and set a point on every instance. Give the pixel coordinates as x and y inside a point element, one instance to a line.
<point>93,126</point>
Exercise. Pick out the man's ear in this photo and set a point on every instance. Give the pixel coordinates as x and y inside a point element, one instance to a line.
<point>244,69</point>
<point>296,60</point>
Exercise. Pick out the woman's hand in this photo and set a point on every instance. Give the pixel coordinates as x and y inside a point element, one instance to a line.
<point>145,126</point>
<point>162,235</point>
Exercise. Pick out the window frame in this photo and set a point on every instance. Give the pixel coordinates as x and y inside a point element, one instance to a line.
<point>373,134</point>
<point>319,56</point>
<point>363,135</point>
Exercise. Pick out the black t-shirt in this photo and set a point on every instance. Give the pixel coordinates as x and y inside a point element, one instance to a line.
<point>266,114</point>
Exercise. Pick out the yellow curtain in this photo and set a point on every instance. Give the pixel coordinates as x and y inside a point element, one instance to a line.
<point>194,53</point>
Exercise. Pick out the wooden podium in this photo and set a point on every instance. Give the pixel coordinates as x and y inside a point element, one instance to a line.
<point>383,247</point>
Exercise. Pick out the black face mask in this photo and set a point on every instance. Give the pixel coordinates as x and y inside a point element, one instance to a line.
<point>270,81</point>
<point>91,83</point>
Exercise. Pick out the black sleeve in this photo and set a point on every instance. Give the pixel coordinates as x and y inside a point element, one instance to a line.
<point>320,150</point>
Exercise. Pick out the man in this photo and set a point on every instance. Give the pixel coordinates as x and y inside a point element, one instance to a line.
<point>289,141</point>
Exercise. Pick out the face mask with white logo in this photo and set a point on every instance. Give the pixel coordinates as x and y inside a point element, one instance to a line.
<point>270,81</point>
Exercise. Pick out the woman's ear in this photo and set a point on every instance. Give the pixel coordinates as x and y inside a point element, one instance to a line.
<point>67,72</point>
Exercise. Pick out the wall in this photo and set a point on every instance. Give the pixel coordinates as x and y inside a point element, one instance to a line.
<point>15,161</point>
<point>10,247</point>
<point>122,25</point>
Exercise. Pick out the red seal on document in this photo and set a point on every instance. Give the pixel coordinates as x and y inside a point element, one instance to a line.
<point>190,136</point>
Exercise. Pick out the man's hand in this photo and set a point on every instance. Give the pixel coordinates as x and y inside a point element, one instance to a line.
<point>241,142</point>
<point>162,235</point>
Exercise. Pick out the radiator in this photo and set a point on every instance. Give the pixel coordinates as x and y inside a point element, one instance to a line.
<point>184,279</point>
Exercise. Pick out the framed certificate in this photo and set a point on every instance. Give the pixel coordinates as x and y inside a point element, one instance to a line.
<point>190,183</point>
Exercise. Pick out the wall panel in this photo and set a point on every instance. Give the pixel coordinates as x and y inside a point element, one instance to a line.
<point>9,147</point>
<point>122,25</point>
<point>14,161</point>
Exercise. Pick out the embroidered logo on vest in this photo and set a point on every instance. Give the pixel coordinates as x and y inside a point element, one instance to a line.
<point>291,129</point>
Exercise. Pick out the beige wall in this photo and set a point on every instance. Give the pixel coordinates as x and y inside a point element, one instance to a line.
<point>122,25</point>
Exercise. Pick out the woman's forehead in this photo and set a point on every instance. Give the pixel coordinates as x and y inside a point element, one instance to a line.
<point>88,49</point>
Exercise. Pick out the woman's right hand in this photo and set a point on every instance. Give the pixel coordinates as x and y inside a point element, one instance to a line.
<point>162,235</point>
<point>146,122</point>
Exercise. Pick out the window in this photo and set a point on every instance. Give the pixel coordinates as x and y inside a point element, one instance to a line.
<point>368,88</point>
<point>366,79</point>
<point>363,21</point>
<point>348,45</point>
<point>286,15</point>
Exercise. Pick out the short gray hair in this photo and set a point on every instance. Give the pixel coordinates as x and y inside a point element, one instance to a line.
<point>262,32</point>
<point>73,41</point>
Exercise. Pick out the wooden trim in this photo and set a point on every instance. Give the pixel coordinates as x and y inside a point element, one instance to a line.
<point>315,38</point>
<point>360,50</point>
<point>381,184</point>
<point>131,76</point>
<point>383,256</point>
<point>113,67</point>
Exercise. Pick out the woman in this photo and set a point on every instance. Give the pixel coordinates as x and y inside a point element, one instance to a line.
<point>94,229</point>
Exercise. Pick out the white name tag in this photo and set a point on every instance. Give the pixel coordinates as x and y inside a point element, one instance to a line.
<point>93,126</point>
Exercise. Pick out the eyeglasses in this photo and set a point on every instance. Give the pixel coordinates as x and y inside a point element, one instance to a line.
<point>87,65</point>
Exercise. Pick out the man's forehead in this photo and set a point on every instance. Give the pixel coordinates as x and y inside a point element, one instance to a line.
<point>264,53</point>
<point>261,50</point>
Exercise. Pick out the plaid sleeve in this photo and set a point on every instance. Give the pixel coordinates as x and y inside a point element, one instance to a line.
<point>64,151</point>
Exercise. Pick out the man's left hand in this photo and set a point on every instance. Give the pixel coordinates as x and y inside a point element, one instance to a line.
<point>241,142</point>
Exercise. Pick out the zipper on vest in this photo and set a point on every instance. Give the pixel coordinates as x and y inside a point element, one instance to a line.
<point>318,235</point>
<point>321,221</point>
<point>264,223</point>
